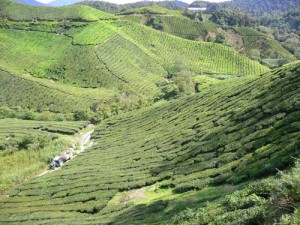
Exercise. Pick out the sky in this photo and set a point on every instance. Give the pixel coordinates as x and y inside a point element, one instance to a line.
<point>130,1</point>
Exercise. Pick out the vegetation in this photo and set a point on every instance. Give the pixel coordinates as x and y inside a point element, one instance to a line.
<point>232,18</point>
<point>19,12</point>
<point>254,7</point>
<point>221,136</point>
<point>285,29</point>
<point>212,137</point>
<point>266,6</point>
<point>75,67</point>
<point>212,62</point>
<point>27,147</point>
<point>116,8</point>
<point>152,10</point>
<point>265,201</point>
<point>28,93</point>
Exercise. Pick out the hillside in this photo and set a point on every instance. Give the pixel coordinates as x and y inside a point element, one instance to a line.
<point>116,8</point>
<point>171,156</point>
<point>31,93</point>
<point>20,12</point>
<point>268,5</point>
<point>88,62</point>
<point>245,40</point>
<point>255,7</point>
<point>27,147</point>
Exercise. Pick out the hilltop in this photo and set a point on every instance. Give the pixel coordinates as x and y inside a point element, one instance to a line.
<point>19,12</point>
<point>172,156</point>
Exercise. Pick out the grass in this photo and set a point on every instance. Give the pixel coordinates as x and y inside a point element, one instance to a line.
<point>147,166</point>
<point>17,91</point>
<point>212,58</point>
<point>93,34</point>
<point>27,147</point>
<point>74,67</point>
<point>153,10</point>
<point>245,40</point>
<point>242,130</point>
<point>20,12</point>
<point>268,48</point>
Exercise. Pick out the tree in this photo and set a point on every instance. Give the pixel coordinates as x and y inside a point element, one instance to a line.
<point>155,23</point>
<point>81,115</point>
<point>6,112</point>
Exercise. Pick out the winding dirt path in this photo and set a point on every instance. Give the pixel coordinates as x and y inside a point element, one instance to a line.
<point>81,141</point>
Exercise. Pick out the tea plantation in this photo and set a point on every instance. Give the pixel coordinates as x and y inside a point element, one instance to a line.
<point>179,154</point>
<point>188,129</point>
<point>245,40</point>
<point>87,63</point>
<point>27,147</point>
<point>30,93</point>
<point>19,12</point>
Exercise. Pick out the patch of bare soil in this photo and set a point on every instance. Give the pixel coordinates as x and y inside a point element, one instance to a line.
<point>210,35</point>
<point>138,194</point>
<point>234,39</point>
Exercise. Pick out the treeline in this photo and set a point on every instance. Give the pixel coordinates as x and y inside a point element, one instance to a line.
<point>282,26</point>
<point>254,7</point>
<point>115,8</point>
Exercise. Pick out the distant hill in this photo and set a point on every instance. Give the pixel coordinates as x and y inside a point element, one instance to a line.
<point>19,12</point>
<point>30,2</point>
<point>267,5</point>
<point>245,40</point>
<point>254,7</point>
<point>115,8</point>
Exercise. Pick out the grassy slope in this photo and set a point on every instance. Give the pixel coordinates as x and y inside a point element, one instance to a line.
<point>153,10</point>
<point>28,146</point>
<point>97,55</point>
<point>39,95</point>
<point>250,39</point>
<point>200,57</point>
<point>20,12</point>
<point>254,40</point>
<point>241,130</point>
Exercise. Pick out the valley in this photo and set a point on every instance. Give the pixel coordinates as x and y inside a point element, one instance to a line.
<point>173,118</point>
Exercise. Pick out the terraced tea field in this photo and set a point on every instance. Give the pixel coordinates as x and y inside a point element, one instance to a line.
<point>268,48</point>
<point>74,67</point>
<point>245,40</point>
<point>34,94</point>
<point>20,12</point>
<point>241,130</point>
<point>14,130</point>
<point>237,123</point>
<point>27,147</point>
<point>212,58</point>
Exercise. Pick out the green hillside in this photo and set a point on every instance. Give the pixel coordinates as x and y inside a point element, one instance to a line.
<point>116,8</point>
<point>20,12</point>
<point>31,93</point>
<point>27,147</point>
<point>245,40</point>
<point>88,63</point>
<point>152,10</point>
<point>148,166</point>
<point>211,58</point>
